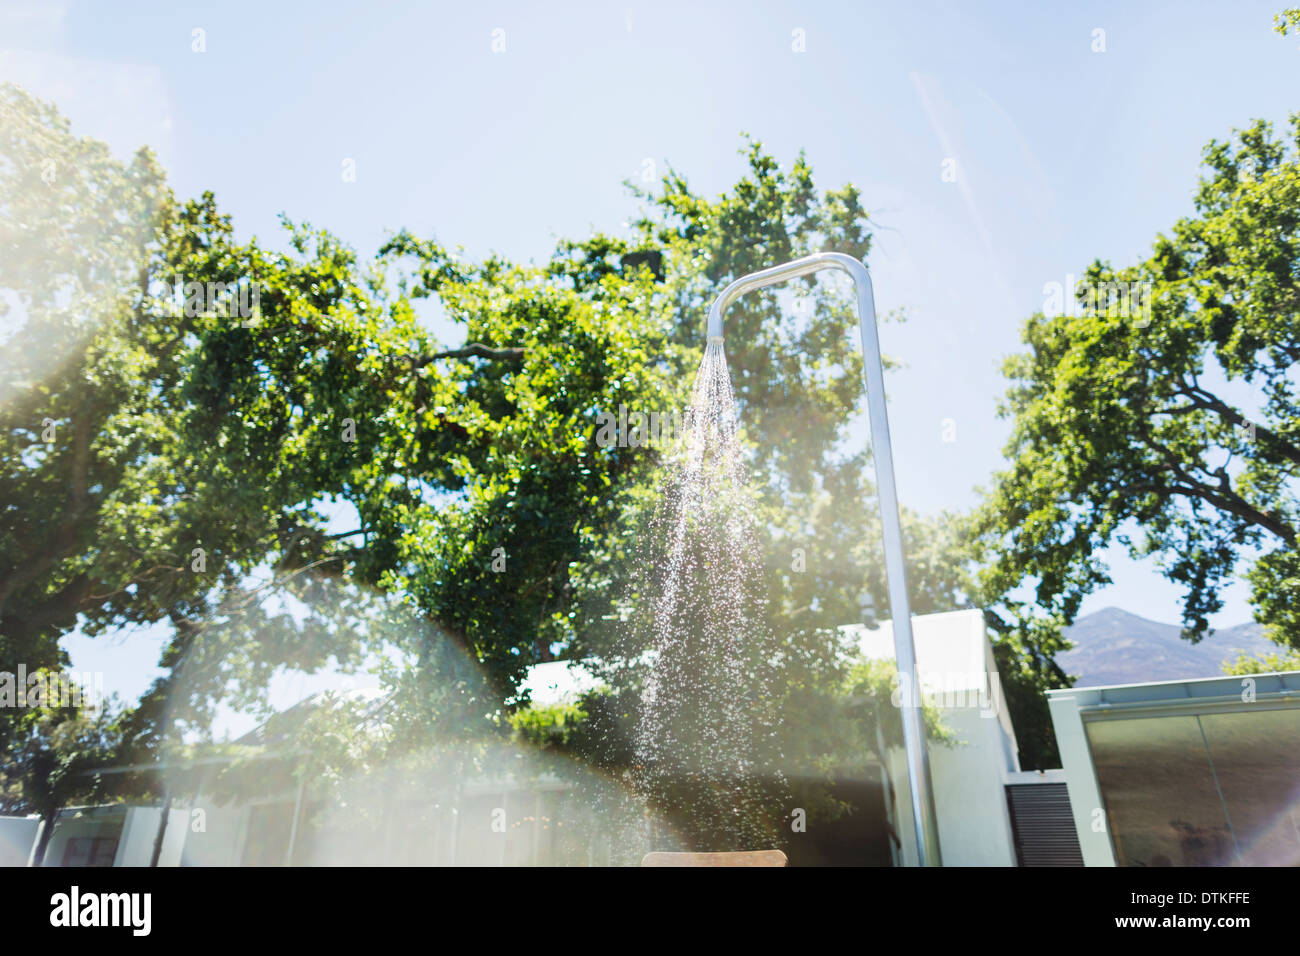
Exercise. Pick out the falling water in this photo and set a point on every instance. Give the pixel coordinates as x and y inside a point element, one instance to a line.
<point>705,742</point>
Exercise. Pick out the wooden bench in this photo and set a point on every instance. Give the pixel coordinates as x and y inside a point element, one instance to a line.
<point>740,858</point>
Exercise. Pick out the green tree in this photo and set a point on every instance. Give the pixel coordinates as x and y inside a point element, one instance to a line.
<point>484,499</point>
<point>208,449</point>
<point>75,230</point>
<point>109,521</point>
<point>1264,664</point>
<point>1161,415</point>
<point>49,759</point>
<point>1287,20</point>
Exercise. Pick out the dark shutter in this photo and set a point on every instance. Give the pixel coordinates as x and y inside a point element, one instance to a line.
<point>1042,825</point>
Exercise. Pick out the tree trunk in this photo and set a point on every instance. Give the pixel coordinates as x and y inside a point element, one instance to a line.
<point>162,829</point>
<point>47,831</point>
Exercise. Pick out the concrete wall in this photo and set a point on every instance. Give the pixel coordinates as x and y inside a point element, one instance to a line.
<point>140,831</point>
<point>220,840</point>
<point>957,670</point>
<point>213,838</point>
<point>17,839</point>
<point>970,793</point>
<point>970,799</point>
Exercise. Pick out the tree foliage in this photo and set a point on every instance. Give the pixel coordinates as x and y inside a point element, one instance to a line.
<point>1161,415</point>
<point>188,416</point>
<point>49,759</point>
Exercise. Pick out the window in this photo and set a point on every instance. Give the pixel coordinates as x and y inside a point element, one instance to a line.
<point>1201,789</point>
<point>267,842</point>
<point>90,851</point>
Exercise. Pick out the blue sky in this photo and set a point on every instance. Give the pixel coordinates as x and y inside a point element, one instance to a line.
<point>1062,154</point>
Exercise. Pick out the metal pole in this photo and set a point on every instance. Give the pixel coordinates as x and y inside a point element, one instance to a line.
<point>293,827</point>
<point>918,764</point>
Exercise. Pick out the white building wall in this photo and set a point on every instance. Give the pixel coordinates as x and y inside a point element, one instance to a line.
<point>221,840</point>
<point>957,670</point>
<point>18,839</point>
<point>970,793</point>
<point>140,832</point>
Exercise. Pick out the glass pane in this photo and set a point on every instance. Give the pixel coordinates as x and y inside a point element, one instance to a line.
<point>104,852</point>
<point>77,851</point>
<point>1255,757</point>
<point>1160,797</point>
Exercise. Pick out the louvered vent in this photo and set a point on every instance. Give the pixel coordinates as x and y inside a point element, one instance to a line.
<point>1043,825</point>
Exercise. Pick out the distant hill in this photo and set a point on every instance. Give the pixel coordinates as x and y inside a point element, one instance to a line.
<point>1116,647</point>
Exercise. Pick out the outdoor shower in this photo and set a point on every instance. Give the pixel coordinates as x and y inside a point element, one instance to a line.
<point>922,798</point>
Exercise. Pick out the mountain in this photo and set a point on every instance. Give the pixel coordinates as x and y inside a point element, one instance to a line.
<point>1113,646</point>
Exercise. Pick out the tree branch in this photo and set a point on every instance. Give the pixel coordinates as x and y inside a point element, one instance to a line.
<point>1221,495</point>
<point>474,350</point>
<point>1207,401</point>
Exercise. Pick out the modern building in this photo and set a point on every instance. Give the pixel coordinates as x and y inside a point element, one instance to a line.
<point>989,811</point>
<point>1199,772</point>
<point>1184,773</point>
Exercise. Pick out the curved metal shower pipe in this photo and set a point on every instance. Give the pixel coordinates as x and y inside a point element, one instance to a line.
<point>918,765</point>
